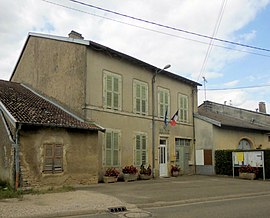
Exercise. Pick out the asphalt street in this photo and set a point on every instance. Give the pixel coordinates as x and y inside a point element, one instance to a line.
<point>189,196</point>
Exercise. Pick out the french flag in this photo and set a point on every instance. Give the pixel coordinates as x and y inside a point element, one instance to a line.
<point>174,119</point>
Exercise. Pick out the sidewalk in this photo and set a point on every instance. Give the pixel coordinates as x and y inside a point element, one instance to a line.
<point>55,204</point>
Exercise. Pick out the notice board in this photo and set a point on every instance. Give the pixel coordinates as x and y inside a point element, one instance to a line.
<point>252,158</point>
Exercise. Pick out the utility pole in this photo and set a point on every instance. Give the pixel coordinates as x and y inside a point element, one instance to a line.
<point>204,84</point>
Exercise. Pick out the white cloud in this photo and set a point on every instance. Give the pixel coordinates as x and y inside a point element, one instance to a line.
<point>17,18</point>
<point>232,83</point>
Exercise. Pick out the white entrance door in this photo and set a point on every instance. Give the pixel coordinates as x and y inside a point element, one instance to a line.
<point>163,169</point>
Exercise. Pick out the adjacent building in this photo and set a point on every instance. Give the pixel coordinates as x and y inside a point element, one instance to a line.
<point>224,127</point>
<point>42,144</point>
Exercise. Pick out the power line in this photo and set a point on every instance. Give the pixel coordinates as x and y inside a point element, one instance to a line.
<point>235,88</point>
<point>152,30</point>
<point>211,43</point>
<point>169,27</point>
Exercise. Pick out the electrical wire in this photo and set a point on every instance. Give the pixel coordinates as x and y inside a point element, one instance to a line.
<point>152,30</point>
<point>169,27</point>
<point>210,46</point>
<point>235,88</point>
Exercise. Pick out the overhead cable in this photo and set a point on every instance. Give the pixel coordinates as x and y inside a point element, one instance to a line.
<point>152,30</point>
<point>169,27</point>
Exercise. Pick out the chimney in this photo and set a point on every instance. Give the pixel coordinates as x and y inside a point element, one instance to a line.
<point>75,35</point>
<point>262,107</point>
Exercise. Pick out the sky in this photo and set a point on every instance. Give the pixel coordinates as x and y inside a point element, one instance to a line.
<point>175,32</point>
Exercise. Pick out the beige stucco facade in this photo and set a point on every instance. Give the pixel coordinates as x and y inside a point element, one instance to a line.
<point>6,154</point>
<point>81,156</point>
<point>73,73</point>
<point>56,69</point>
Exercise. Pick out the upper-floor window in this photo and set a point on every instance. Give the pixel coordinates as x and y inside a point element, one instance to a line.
<point>163,102</point>
<point>53,158</point>
<point>112,91</point>
<point>140,97</point>
<point>141,156</point>
<point>183,108</point>
<point>112,148</point>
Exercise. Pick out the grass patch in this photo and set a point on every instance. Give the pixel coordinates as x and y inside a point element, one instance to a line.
<point>6,191</point>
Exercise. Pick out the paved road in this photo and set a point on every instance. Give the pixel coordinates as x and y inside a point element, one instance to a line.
<point>185,196</point>
<point>191,196</point>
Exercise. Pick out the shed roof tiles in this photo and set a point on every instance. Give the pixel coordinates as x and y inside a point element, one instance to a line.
<point>27,107</point>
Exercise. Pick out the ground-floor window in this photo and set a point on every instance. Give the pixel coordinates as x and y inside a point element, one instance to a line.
<point>53,158</point>
<point>141,156</point>
<point>180,142</point>
<point>112,148</point>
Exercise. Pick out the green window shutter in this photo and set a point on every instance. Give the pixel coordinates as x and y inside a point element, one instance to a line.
<point>112,91</point>
<point>115,93</point>
<point>143,95</point>
<point>108,149</point>
<point>183,108</point>
<point>138,98</point>
<point>146,99</point>
<point>141,149</point>
<point>104,90</point>
<point>119,93</point>
<point>134,97</point>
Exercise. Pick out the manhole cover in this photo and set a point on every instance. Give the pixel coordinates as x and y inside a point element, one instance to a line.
<point>137,214</point>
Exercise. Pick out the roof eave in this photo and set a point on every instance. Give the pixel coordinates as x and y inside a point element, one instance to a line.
<point>60,126</point>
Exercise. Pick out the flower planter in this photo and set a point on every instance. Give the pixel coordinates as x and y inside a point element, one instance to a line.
<point>109,179</point>
<point>130,177</point>
<point>175,173</point>
<point>250,176</point>
<point>145,176</point>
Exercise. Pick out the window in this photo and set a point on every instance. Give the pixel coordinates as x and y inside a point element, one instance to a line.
<point>141,156</point>
<point>112,88</point>
<point>179,142</point>
<point>112,148</point>
<point>163,102</point>
<point>140,97</point>
<point>244,145</point>
<point>53,158</point>
<point>183,108</point>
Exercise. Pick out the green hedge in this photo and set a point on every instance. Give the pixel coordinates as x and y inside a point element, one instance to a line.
<point>223,166</point>
<point>223,160</point>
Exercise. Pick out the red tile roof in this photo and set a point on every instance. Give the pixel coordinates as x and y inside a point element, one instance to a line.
<point>26,107</point>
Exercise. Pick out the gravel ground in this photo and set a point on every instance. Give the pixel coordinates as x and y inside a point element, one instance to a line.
<point>56,204</point>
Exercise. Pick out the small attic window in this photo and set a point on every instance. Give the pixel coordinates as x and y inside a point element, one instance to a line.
<point>244,144</point>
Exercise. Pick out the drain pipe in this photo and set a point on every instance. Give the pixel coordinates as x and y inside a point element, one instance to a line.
<point>194,132</point>
<point>17,157</point>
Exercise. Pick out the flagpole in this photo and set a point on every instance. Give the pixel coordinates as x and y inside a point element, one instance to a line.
<point>153,116</point>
